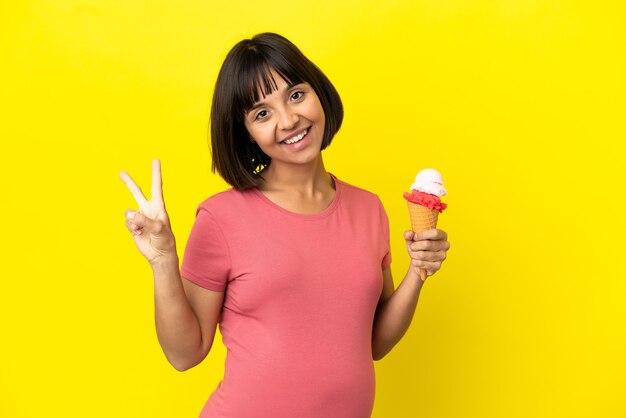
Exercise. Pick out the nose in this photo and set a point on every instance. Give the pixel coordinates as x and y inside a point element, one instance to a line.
<point>287,118</point>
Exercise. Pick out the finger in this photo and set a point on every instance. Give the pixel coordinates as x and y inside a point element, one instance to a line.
<point>419,245</point>
<point>130,215</point>
<point>408,235</point>
<point>428,255</point>
<point>134,189</point>
<point>429,245</point>
<point>157,184</point>
<point>132,227</point>
<point>426,265</point>
<point>150,225</point>
<point>433,234</point>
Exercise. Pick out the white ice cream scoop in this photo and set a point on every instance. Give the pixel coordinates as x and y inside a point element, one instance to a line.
<point>429,181</point>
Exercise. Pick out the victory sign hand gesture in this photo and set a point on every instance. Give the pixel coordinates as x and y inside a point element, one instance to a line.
<point>150,225</point>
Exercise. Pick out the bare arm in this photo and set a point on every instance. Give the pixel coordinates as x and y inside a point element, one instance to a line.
<point>396,308</point>
<point>395,311</point>
<point>186,315</point>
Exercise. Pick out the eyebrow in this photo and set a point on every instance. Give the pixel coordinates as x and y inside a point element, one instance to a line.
<point>259,104</point>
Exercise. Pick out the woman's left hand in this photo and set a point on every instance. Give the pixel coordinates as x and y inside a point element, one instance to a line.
<point>427,249</point>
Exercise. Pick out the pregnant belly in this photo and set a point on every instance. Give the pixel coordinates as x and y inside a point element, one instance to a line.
<point>342,389</point>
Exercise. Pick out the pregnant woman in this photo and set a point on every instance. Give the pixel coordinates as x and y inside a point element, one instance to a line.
<point>292,262</point>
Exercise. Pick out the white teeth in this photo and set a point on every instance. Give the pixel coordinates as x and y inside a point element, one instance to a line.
<point>296,138</point>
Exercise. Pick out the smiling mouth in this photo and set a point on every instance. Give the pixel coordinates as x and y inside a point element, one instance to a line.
<point>296,138</point>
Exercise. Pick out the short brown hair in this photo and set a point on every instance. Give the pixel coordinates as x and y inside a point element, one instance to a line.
<point>247,65</point>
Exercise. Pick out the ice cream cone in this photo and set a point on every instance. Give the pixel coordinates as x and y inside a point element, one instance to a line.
<point>425,203</point>
<point>422,219</point>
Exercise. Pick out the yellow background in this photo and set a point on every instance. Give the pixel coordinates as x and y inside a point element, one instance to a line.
<point>520,104</point>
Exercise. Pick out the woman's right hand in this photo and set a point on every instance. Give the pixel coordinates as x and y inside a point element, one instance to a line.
<point>150,225</point>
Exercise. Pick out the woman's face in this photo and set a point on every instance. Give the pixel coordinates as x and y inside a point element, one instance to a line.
<point>288,124</point>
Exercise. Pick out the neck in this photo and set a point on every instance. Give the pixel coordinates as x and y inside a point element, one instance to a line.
<point>306,180</point>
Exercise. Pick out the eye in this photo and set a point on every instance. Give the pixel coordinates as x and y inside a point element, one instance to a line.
<point>297,95</point>
<point>260,115</point>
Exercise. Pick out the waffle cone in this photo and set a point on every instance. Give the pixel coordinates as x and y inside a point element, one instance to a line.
<point>422,219</point>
